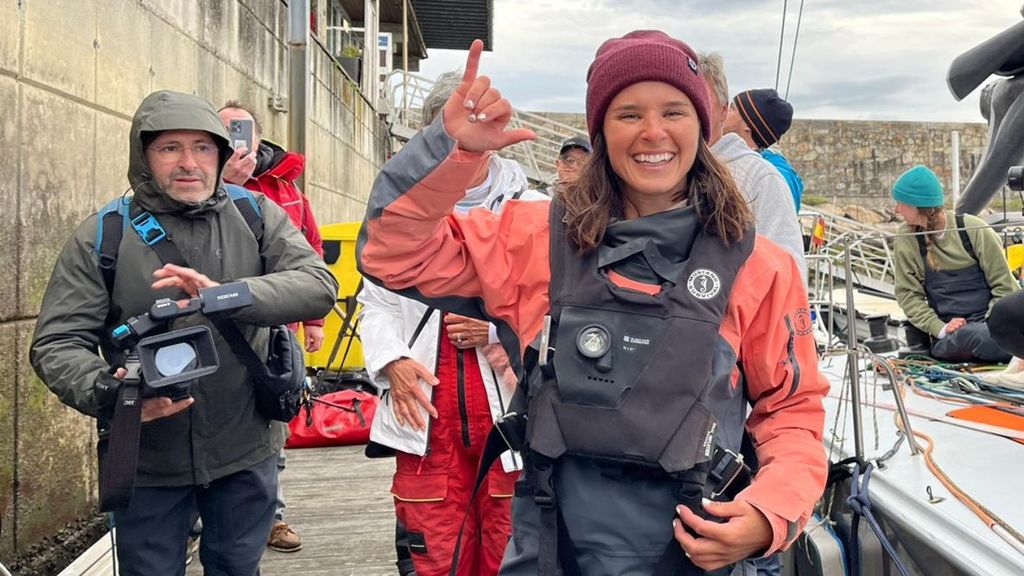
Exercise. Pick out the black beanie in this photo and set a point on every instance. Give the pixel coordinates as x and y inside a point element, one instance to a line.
<point>766,113</point>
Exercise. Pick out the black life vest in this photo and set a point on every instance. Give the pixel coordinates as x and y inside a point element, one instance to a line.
<point>631,371</point>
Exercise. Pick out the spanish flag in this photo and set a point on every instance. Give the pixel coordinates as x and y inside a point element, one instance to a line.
<point>818,233</point>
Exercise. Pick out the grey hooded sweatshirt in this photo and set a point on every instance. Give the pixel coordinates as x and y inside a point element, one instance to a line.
<point>221,433</point>
<point>768,194</point>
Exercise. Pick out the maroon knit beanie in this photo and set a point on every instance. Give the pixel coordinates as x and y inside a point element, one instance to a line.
<point>644,55</point>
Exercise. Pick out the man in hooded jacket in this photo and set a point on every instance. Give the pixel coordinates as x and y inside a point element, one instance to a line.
<point>212,452</point>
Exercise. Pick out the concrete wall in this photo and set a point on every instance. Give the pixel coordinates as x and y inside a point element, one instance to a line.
<point>851,161</point>
<point>71,74</point>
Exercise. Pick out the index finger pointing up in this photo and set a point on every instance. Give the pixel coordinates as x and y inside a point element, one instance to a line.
<point>472,62</point>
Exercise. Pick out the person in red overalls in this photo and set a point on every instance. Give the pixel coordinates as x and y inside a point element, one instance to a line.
<point>272,171</point>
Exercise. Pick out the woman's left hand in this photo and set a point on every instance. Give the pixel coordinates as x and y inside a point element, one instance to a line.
<point>746,532</point>
<point>476,115</point>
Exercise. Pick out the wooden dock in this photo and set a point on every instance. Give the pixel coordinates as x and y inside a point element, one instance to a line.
<point>338,501</point>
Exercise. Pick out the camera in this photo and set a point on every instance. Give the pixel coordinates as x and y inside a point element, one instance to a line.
<point>168,362</point>
<point>1015,178</point>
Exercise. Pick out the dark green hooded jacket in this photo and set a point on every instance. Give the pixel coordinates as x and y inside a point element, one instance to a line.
<point>222,432</point>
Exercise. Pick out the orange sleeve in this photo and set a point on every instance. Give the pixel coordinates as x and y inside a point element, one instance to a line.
<point>779,359</point>
<point>411,241</point>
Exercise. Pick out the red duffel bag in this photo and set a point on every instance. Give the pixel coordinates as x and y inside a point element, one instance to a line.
<point>339,418</point>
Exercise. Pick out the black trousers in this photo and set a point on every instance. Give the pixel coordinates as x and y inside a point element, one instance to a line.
<point>237,512</point>
<point>1006,323</point>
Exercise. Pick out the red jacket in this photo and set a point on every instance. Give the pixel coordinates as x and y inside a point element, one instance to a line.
<point>278,184</point>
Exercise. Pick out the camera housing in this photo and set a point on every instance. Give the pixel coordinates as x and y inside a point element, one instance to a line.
<point>1015,178</point>
<point>172,361</point>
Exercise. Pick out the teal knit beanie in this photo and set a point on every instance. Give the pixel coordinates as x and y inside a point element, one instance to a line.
<point>918,187</point>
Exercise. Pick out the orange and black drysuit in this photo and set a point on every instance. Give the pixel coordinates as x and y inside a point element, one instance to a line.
<point>761,350</point>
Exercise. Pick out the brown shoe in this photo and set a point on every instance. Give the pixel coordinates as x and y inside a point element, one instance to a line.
<point>283,538</point>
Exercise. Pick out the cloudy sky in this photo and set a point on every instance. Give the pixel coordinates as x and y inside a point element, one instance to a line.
<point>855,59</point>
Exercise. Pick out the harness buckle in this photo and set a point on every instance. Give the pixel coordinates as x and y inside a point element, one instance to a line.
<point>726,472</point>
<point>149,228</point>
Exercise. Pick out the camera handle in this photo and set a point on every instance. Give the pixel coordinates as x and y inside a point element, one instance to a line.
<point>119,453</point>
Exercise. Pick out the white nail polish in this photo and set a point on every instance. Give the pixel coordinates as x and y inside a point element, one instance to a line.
<point>705,502</point>
<point>469,104</point>
<point>481,117</point>
<point>472,117</point>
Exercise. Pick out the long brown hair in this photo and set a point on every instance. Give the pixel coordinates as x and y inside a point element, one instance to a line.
<point>596,197</point>
<point>935,221</point>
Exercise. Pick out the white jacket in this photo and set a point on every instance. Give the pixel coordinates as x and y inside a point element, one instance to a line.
<point>387,323</point>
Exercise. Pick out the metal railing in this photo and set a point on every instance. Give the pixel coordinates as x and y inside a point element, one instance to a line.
<point>404,94</point>
<point>870,251</point>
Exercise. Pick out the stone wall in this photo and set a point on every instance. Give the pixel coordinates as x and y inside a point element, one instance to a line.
<point>71,74</point>
<point>856,162</point>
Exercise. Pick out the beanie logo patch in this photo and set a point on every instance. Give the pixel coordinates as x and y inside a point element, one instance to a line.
<point>693,65</point>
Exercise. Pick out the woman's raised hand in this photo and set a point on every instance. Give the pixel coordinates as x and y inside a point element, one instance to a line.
<point>476,115</point>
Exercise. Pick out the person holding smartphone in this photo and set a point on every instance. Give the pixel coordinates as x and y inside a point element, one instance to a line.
<point>265,167</point>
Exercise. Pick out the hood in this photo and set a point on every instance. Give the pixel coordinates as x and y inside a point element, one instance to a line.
<point>273,160</point>
<point>731,147</point>
<point>507,179</point>
<point>166,110</point>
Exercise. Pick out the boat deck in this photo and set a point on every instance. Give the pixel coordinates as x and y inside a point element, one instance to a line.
<point>983,461</point>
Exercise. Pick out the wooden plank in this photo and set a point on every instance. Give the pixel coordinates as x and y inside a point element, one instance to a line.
<point>340,503</point>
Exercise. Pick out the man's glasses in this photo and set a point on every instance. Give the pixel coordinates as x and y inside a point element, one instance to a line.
<point>170,152</point>
<point>570,161</point>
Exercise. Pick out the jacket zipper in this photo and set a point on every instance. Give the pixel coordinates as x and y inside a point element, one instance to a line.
<point>460,364</point>
<point>437,362</point>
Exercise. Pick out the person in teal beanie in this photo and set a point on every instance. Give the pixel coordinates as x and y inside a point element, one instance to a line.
<point>950,274</point>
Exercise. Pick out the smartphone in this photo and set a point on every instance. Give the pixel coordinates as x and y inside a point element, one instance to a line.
<point>240,134</point>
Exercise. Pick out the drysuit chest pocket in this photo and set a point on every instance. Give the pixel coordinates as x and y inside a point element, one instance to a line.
<point>600,354</point>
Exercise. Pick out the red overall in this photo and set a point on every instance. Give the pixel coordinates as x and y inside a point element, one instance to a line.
<point>432,492</point>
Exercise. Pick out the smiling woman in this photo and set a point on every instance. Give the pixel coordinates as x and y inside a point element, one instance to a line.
<point>650,293</point>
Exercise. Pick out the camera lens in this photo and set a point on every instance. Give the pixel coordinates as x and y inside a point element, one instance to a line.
<point>175,359</point>
<point>1015,178</point>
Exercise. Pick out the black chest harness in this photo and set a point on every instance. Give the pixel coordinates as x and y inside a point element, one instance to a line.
<point>961,293</point>
<point>622,378</point>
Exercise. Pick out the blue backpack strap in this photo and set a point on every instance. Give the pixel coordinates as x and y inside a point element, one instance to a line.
<point>111,222</point>
<point>116,216</point>
<point>246,204</point>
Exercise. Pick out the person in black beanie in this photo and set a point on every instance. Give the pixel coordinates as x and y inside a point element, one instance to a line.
<point>761,117</point>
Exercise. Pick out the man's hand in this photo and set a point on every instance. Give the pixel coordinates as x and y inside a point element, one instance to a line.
<point>476,115</point>
<point>407,396</point>
<point>187,279</point>
<point>466,332</point>
<point>240,166</point>
<point>746,532</point>
<point>159,407</point>
<point>314,336</point>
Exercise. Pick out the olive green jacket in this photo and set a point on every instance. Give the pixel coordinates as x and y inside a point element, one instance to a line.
<point>222,432</point>
<point>950,254</point>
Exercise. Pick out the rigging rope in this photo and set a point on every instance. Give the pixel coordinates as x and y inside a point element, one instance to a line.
<point>782,37</point>
<point>997,524</point>
<point>792,59</point>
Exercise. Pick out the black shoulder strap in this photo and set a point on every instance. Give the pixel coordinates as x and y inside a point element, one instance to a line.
<point>246,204</point>
<point>112,225</point>
<point>119,450</point>
<point>923,249</point>
<point>419,327</point>
<point>964,238</point>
